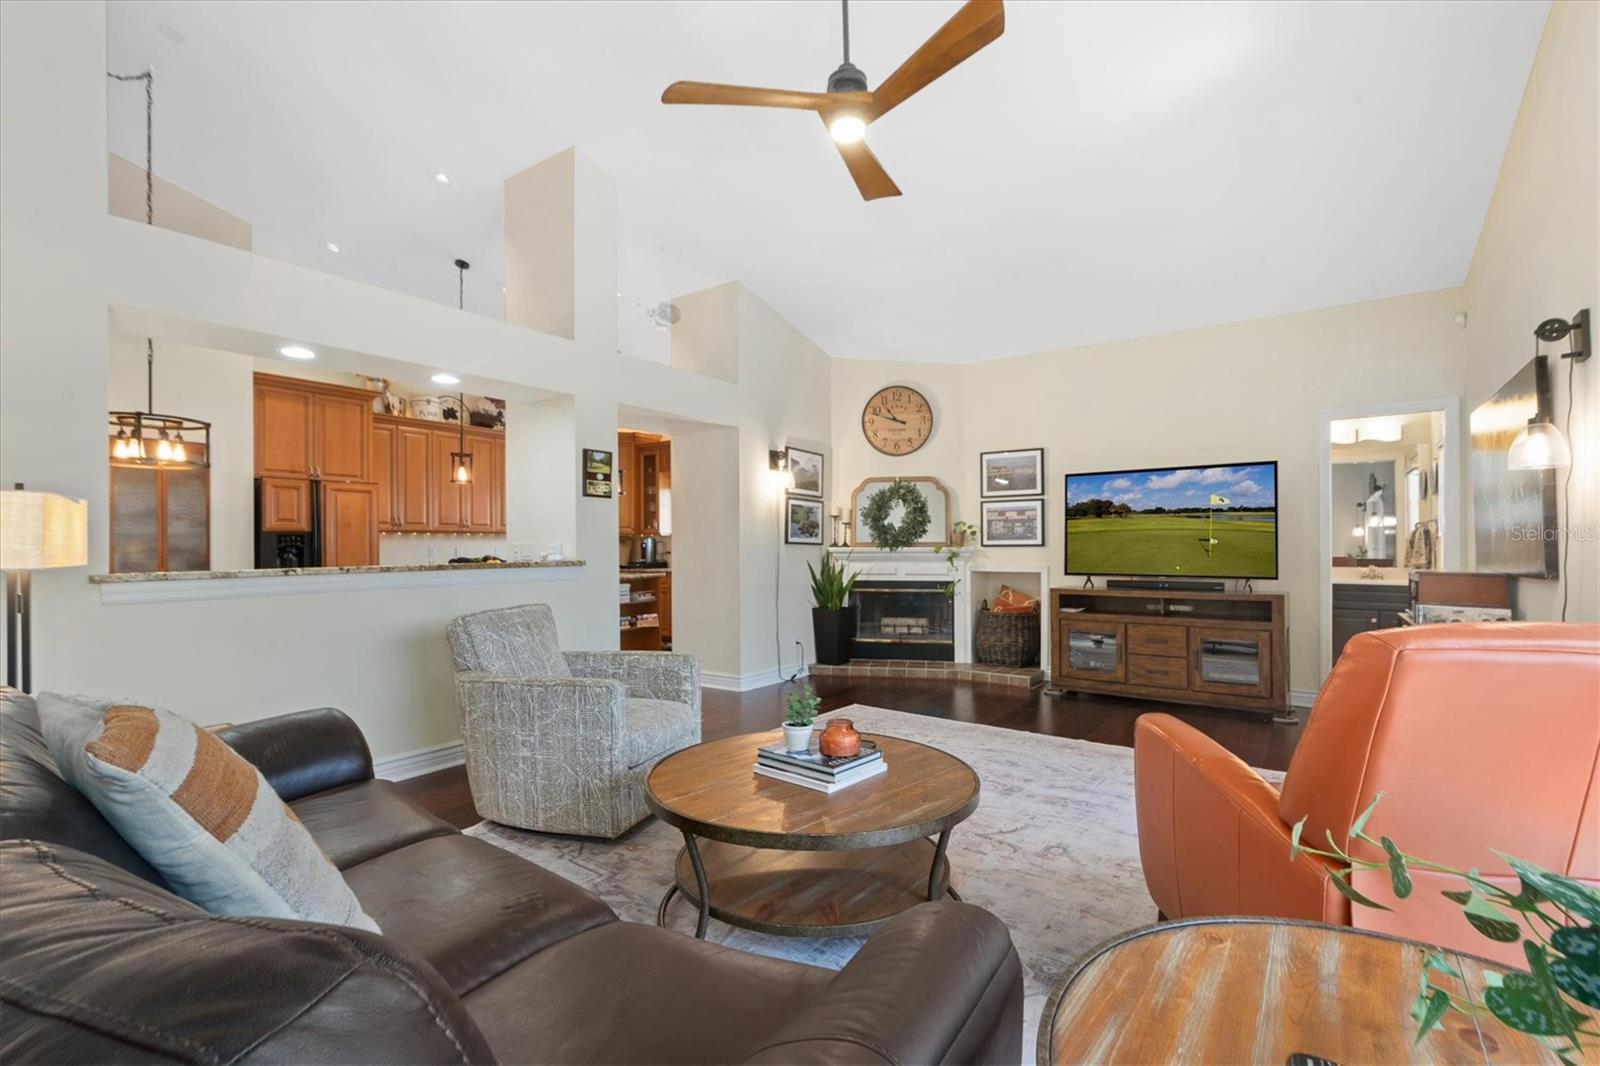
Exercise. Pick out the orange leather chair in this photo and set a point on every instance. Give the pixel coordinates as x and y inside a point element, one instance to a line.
<point>1481,737</point>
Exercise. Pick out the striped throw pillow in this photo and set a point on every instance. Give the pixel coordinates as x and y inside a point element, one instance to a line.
<point>197,811</point>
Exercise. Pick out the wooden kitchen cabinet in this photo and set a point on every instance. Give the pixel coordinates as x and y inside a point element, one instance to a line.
<point>414,488</point>
<point>400,470</point>
<point>349,524</point>
<point>384,466</point>
<point>285,505</point>
<point>627,481</point>
<point>283,430</point>
<point>341,435</point>
<point>450,498</point>
<point>666,611</point>
<point>312,430</point>
<point>484,502</point>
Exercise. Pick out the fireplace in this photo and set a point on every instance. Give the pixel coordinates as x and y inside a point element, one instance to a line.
<point>904,620</point>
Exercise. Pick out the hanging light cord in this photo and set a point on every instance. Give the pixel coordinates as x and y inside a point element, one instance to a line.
<point>846,5</point>
<point>1566,490</point>
<point>149,79</point>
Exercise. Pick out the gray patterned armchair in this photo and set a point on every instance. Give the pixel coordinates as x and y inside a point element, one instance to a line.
<point>559,742</point>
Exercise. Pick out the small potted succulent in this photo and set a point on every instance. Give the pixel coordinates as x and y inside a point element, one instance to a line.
<point>800,711</point>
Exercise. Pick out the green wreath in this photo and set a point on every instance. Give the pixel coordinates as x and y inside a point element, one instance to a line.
<point>913,521</point>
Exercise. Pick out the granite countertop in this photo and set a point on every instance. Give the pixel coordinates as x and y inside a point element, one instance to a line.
<point>641,571</point>
<point>319,571</point>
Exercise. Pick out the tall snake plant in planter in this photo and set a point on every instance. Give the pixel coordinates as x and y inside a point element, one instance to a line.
<point>1557,919</point>
<point>833,616</point>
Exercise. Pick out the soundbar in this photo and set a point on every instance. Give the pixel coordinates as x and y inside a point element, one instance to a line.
<point>1164,584</point>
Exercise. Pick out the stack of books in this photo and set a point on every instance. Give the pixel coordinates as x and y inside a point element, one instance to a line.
<point>812,769</point>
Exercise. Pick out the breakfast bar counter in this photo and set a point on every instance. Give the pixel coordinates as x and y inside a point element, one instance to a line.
<point>162,586</point>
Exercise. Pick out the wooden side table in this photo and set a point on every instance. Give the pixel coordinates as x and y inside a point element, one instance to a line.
<point>1226,990</point>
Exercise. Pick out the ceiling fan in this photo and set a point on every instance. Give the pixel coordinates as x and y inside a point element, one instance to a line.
<point>847,108</point>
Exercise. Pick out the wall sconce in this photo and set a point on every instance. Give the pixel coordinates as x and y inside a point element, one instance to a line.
<point>778,471</point>
<point>1541,445</point>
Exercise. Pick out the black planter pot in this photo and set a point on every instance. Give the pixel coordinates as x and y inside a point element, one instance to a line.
<point>835,633</point>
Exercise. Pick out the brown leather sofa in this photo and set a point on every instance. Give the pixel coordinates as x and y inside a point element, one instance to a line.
<point>484,956</point>
<point>1480,736</point>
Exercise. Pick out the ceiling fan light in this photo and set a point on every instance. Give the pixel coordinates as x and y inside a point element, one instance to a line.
<point>847,129</point>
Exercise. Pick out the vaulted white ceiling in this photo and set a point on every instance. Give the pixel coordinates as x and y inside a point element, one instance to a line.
<point>1103,170</point>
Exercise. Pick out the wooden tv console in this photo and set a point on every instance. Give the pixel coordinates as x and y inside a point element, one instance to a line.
<point>1215,649</point>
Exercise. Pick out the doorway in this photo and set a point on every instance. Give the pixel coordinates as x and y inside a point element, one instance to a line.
<point>1390,506</point>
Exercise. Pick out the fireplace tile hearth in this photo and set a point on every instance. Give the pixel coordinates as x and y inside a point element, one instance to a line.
<point>924,670</point>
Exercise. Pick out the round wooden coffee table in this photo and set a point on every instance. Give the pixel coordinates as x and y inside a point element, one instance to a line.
<point>781,858</point>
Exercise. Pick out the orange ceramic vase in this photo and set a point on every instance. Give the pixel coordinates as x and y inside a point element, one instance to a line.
<point>840,739</point>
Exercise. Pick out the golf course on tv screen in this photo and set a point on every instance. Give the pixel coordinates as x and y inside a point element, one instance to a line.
<point>1185,521</point>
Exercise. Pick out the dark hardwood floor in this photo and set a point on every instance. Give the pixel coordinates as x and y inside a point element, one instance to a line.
<point>1105,720</point>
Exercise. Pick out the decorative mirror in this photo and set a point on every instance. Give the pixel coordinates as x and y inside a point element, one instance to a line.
<point>933,491</point>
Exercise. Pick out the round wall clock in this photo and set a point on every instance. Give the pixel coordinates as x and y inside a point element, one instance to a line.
<point>897,420</point>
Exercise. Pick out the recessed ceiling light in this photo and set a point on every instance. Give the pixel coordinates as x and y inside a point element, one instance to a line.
<point>296,351</point>
<point>330,246</point>
<point>445,378</point>
<point>440,177</point>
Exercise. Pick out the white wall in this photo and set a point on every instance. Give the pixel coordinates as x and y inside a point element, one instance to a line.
<point>1536,259</point>
<point>1243,392</point>
<point>67,266</point>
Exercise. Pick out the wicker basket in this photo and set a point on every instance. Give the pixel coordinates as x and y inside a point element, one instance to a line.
<point>1008,639</point>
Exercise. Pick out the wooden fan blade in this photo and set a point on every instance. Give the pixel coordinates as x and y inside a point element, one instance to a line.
<point>704,92</point>
<point>873,181</point>
<point>975,25</point>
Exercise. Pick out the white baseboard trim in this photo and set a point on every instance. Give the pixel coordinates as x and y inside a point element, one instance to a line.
<point>419,762</point>
<point>744,682</point>
<point>1302,698</point>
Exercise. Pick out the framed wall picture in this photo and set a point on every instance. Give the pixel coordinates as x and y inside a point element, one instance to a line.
<point>1012,524</point>
<point>802,520</point>
<point>1014,473</point>
<point>598,473</point>
<point>807,470</point>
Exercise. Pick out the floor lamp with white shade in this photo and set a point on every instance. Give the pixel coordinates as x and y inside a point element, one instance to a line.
<point>38,531</point>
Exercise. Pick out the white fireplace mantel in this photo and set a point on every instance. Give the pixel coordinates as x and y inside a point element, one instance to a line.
<point>920,564</point>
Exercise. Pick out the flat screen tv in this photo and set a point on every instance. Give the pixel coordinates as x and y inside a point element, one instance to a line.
<point>1179,521</point>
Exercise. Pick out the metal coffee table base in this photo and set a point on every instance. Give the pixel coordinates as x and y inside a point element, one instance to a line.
<point>813,893</point>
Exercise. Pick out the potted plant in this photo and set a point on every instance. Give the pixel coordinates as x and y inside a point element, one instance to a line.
<point>833,616</point>
<point>1555,917</point>
<point>799,713</point>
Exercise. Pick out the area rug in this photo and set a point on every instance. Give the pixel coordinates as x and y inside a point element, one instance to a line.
<point>1052,850</point>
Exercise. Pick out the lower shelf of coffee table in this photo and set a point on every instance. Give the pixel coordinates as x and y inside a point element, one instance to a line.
<point>811,893</point>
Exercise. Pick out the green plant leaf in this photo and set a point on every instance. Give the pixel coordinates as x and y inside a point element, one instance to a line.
<point>1531,1002</point>
<point>1578,972</point>
<point>1427,1011</point>
<point>1457,895</point>
<point>1398,876</point>
<point>1294,839</point>
<point>1575,897</point>
<point>1361,821</point>
<point>1435,962</point>
<point>1349,892</point>
<point>1489,920</point>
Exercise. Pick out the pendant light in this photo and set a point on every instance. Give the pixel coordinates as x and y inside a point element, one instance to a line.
<point>461,460</point>
<point>1541,445</point>
<point>134,428</point>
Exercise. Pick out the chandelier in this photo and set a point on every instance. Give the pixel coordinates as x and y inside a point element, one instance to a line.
<point>144,436</point>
